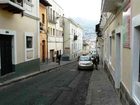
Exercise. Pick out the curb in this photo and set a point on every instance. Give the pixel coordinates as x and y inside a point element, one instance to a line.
<point>8,82</point>
<point>89,93</point>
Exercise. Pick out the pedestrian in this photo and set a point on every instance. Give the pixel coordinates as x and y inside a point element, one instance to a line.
<point>97,58</point>
<point>78,58</point>
<point>59,58</point>
<point>95,61</point>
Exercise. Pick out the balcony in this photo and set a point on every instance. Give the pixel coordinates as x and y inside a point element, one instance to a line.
<point>112,5</point>
<point>98,30</point>
<point>75,37</point>
<point>52,21</point>
<point>61,22</point>
<point>42,27</point>
<point>14,6</point>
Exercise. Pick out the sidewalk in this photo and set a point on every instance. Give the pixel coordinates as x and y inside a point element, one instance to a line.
<point>101,91</point>
<point>46,67</point>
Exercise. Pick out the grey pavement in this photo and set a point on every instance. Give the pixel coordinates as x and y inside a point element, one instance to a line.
<point>46,67</point>
<point>101,91</point>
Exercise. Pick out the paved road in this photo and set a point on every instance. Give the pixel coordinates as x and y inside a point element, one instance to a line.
<point>66,86</point>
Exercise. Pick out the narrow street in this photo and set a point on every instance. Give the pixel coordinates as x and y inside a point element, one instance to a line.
<point>64,86</point>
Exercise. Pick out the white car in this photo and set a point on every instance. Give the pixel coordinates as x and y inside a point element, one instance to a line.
<point>85,63</point>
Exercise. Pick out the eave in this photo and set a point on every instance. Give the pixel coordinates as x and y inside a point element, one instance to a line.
<point>10,6</point>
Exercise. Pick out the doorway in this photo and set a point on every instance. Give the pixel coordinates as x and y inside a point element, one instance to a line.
<point>52,55</point>
<point>5,54</point>
<point>43,51</point>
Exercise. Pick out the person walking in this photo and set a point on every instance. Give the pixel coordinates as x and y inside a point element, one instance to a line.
<point>59,58</point>
<point>95,60</point>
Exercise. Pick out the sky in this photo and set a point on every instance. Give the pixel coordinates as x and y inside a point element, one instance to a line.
<point>89,9</point>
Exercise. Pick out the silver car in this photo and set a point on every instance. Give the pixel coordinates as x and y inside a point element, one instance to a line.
<point>85,63</point>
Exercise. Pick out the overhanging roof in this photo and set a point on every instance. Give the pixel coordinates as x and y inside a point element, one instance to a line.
<point>45,2</point>
<point>108,5</point>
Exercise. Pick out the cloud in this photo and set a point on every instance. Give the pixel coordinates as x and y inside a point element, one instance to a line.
<point>89,9</point>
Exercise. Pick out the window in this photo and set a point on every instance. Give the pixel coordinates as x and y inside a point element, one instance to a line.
<point>50,14</point>
<point>54,32</point>
<point>57,32</point>
<point>29,6</point>
<point>29,1</point>
<point>51,32</point>
<point>53,16</point>
<point>43,18</point>
<point>29,41</point>
<point>29,46</point>
<point>110,46</point>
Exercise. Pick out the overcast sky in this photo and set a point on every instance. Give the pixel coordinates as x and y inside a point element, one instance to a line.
<point>89,9</point>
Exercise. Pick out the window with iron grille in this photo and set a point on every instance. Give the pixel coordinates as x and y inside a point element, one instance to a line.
<point>110,46</point>
<point>43,18</point>
<point>29,41</point>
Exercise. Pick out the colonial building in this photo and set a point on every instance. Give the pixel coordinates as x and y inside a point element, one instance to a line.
<point>55,30</point>
<point>19,33</point>
<point>43,30</point>
<point>73,39</point>
<point>119,29</point>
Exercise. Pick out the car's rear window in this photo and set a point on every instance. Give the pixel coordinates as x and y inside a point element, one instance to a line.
<point>84,58</point>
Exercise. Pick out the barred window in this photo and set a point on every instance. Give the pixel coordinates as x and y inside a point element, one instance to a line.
<point>29,41</point>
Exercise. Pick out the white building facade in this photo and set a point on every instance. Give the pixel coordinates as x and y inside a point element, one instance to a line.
<point>55,30</point>
<point>73,39</point>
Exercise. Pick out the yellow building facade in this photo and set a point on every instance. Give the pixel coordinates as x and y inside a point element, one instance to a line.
<point>43,30</point>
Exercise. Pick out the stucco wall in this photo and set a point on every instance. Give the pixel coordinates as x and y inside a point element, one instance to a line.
<point>112,27</point>
<point>43,34</point>
<point>135,7</point>
<point>20,25</point>
<point>126,67</point>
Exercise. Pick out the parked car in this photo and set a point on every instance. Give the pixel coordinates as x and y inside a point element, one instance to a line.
<point>85,63</point>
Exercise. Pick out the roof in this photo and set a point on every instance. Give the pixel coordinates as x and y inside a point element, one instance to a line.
<point>45,2</point>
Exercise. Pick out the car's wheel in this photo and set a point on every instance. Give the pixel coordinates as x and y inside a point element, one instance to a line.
<point>78,68</point>
<point>91,69</point>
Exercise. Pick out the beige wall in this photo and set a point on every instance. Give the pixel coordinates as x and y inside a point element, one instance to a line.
<point>21,25</point>
<point>126,68</point>
<point>135,7</point>
<point>113,26</point>
<point>113,53</point>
